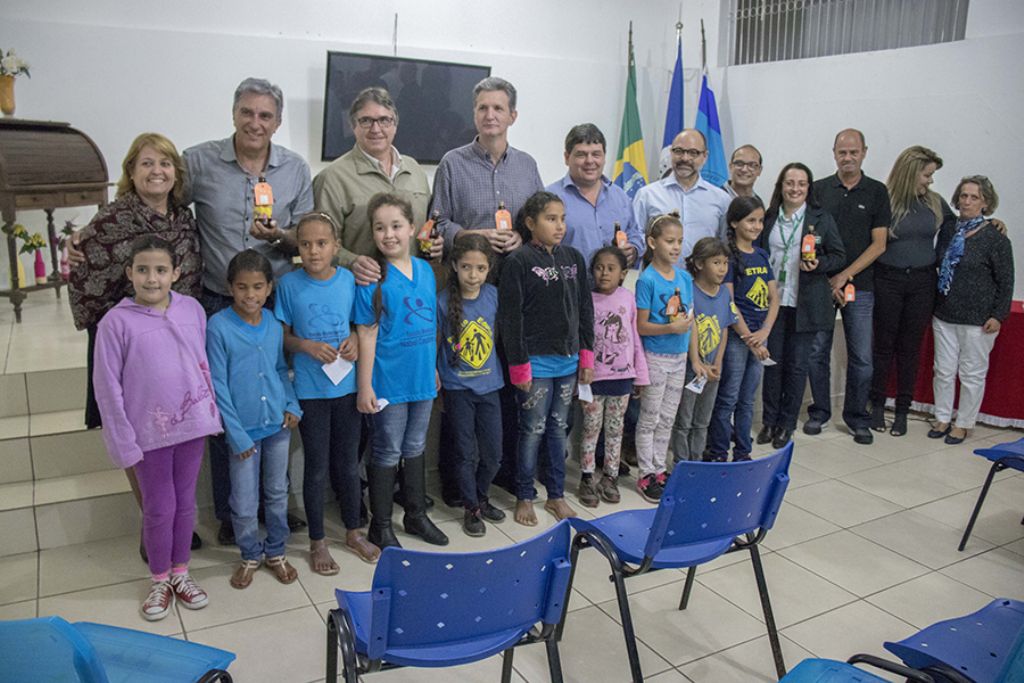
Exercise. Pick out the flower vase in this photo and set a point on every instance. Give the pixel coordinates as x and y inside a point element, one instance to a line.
<point>7,95</point>
<point>40,268</point>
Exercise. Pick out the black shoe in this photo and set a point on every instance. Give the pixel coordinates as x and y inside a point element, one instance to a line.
<point>381,491</point>
<point>863,436</point>
<point>295,523</point>
<point>781,438</point>
<point>954,440</point>
<point>878,417</point>
<point>416,521</point>
<point>939,433</point>
<point>491,513</point>
<point>814,426</point>
<point>899,425</point>
<point>473,524</point>
<point>765,435</point>
<point>226,534</point>
<point>197,542</point>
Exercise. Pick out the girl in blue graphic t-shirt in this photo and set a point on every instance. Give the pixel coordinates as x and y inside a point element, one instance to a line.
<point>396,376</point>
<point>467,361</point>
<point>756,295</point>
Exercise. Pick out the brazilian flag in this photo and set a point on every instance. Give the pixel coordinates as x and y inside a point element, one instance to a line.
<point>630,166</point>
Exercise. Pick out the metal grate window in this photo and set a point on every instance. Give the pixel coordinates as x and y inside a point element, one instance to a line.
<point>776,30</point>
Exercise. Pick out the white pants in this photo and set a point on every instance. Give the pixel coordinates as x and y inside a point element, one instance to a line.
<point>962,349</point>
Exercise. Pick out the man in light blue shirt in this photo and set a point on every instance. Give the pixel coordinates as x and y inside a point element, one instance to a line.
<point>700,204</point>
<point>593,205</point>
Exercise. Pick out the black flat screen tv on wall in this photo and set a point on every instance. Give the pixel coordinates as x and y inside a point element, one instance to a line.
<point>434,101</point>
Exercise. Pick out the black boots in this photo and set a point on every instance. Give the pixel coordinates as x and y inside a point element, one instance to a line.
<point>899,424</point>
<point>416,521</point>
<point>878,417</point>
<point>381,489</point>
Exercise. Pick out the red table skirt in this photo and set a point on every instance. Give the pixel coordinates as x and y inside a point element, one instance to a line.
<point>1003,405</point>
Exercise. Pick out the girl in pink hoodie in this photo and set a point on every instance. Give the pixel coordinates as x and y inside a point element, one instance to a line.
<point>619,365</point>
<point>155,396</point>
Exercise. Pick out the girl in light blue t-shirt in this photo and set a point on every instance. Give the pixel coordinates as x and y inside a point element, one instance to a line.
<point>396,375</point>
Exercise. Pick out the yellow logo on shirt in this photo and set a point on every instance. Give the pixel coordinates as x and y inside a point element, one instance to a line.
<point>475,343</point>
<point>709,334</point>
<point>758,294</point>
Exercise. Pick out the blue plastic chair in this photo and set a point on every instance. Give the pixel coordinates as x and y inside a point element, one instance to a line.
<point>707,510</point>
<point>1004,456</point>
<point>51,649</point>
<point>831,671</point>
<point>428,609</point>
<point>982,647</point>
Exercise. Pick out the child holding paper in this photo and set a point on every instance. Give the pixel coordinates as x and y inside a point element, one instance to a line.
<point>315,306</point>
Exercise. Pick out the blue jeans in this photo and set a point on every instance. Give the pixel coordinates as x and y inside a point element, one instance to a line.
<point>857,328</point>
<point>734,406</point>
<point>475,424</point>
<point>400,431</point>
<point>543,417</point>
<point>272,457</point>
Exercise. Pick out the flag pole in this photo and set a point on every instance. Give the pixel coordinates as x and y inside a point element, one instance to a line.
<point>703,48</point>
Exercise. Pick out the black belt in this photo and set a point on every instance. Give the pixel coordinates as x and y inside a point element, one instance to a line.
<point>906,270</point>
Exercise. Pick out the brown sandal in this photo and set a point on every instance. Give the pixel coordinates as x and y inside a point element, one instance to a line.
<point>357,542</point>
<point>283,571</point>
<point>243,575</point>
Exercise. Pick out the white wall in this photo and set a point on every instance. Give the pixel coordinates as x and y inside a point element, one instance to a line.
<point>961,99</point>
<point>115,68</point>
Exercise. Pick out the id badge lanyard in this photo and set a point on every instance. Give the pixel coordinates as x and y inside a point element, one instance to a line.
<point>787,244</point>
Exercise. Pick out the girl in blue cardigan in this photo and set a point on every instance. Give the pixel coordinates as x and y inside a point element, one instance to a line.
<point>258,406</point>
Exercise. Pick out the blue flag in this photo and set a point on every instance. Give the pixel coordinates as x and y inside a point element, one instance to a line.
<point>674,116</point>
<point>715,170</point>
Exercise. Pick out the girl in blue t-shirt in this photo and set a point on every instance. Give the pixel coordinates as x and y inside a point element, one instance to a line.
<point>714,312</point>
<point>753,286</point>
<point>258,406</point>
<point>396,325</point>
<point>467,361</point>
<point>664,307</point>
<point>315,306</point>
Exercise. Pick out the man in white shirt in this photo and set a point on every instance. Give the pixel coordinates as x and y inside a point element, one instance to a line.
<point>701,205</point>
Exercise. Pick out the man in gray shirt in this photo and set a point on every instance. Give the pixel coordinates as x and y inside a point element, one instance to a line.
<point>222,175</point>
<point>473,180</point>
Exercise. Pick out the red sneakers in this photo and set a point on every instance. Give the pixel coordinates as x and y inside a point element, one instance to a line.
<point>159,601</point>
<point>188,592</point>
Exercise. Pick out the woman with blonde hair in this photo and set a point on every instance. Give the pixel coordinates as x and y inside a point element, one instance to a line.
<point>149,201</point>
<point>905,280</point>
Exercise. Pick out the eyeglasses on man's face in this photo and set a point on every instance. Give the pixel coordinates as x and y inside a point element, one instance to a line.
<point>366,122</point>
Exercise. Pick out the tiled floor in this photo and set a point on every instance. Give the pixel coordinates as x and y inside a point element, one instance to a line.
<point>864,550</point>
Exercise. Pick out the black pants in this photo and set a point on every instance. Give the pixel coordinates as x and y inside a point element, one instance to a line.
<point>475,422</point>
<point>904,300</point>
<point>784,383</point>
<point>330,429</point>
<point>92,410</point>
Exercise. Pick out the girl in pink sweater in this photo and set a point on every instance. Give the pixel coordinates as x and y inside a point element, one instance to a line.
<point>619,364</point>
<point>155,395</point>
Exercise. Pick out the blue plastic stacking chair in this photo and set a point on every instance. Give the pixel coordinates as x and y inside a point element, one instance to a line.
<point>51,649</point>
<point>982,647</point>
<point>831,671</point>
<point>707,510</point>
<point>428,609</point>
<point>1004,456</point>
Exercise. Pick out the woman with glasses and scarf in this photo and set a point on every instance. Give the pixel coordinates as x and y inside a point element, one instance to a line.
<point>975,288</point>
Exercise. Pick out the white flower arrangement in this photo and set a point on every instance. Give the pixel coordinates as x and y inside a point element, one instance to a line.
<point>13,65</point>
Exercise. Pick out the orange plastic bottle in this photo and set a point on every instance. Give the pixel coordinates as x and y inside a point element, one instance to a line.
<point>849,292</point>
<point>502,218</point>
<point>674,306</point>
<point>428,232</point>
<point>620,237</point>
<point>808,248</point>
<point>263,201</point>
